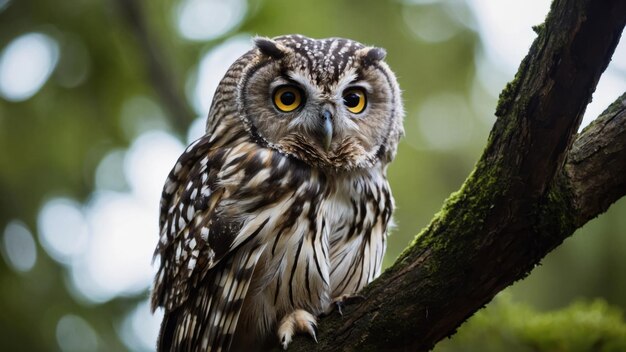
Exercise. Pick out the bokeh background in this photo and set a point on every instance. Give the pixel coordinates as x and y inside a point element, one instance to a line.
<point>98,99</point>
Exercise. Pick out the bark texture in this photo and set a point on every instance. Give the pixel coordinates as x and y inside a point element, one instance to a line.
<point>596,166</point>
<point>530,190</point>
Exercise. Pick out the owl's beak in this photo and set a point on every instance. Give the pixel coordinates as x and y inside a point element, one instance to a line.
<point>327,129</point>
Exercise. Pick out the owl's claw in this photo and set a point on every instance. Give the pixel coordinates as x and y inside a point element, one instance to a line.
<point>340,302</point>
<point>298,321</point>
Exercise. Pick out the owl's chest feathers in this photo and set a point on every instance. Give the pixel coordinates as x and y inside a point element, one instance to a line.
<point>315,225</point>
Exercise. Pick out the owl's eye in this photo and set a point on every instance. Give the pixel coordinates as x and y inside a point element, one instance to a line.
<point>287,98</point>
<point>355,100</point>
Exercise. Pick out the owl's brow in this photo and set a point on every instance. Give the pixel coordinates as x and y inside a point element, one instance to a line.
<point>282,80</point>
<point>302,81</point>
<point>360,84</point>
<point>351,80</point>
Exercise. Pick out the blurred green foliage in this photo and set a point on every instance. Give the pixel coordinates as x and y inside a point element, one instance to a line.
<point>52,143</point>
<point>508,326</point>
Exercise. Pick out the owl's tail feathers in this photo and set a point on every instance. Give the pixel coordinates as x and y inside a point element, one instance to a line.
<point>178,335</point>
<point>207,320</point>
<point>165,342</point>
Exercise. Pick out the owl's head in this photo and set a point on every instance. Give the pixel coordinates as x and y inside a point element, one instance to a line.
<point>332,103</point>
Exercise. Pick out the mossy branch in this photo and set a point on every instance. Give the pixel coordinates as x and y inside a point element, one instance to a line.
<point>529,191</point>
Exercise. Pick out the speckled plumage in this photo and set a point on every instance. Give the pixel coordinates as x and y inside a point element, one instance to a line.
<point>262,224</point>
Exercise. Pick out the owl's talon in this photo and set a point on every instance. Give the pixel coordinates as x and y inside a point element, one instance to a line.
<point>313,332</point>
<point>299,321</point>
<point>341,302</point>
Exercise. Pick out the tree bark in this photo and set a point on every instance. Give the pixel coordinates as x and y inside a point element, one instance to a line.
<point>529,191</point>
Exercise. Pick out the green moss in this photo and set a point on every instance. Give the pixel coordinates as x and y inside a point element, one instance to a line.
<point>464,210</point>
<point>507,94</point>
<point>510,90</point>
<point>557,214</point>
<point>508,326</point>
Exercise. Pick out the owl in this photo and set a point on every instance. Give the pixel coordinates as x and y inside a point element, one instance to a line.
<point>282,208</point>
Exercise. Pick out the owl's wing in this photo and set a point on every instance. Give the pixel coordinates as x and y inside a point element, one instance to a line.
<point>206,259</point>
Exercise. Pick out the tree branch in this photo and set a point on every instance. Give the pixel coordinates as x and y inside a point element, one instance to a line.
<point>512,210</point>
<point>596,165</point>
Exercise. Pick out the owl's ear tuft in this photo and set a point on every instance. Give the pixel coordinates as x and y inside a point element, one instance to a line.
<point>371,55</point>
<point>270,47</point>
<point>375,54</point>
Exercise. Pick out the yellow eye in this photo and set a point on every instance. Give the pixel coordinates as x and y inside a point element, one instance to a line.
<point>355,100</point>
<point>287,98</point>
